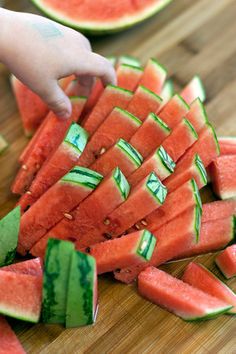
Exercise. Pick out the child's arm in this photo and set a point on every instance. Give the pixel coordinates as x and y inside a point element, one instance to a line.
<point>39,52</point>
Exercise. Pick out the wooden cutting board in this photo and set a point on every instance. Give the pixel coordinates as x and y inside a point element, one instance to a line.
<point>188,37</point>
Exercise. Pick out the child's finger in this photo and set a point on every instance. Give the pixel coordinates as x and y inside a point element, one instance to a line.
<point>85,85</point>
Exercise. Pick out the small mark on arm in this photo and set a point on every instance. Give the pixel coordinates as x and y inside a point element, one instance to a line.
<point>47,30</point>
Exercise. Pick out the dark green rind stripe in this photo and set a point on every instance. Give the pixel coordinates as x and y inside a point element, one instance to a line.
<point>196,193</point>
<point>197,222</point>
<point>145,89</point>
<point>132,67</point>
<point>160,122</point>
<point>117,88</point>
<point>166,159</point>
<point>181,100</point>
<point>187,122</point>
<point>146,245</point>
<point>84,177</point>
<point>128,115</point>
<point>208,316</point>
<point>135,156</point>
<point>76,137</point>
<point>201,168</point>
<point>158,65</point>
<point>215,137</point>
<point>121,182</point>
<point>157,189</point>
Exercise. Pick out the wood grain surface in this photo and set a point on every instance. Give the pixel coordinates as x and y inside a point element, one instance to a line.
<point>188,37</point>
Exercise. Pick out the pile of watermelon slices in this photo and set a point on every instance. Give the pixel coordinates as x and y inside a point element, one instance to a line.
<point>119,183</point>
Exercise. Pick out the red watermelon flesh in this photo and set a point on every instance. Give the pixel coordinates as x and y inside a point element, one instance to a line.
<point>185,301</point>
<point>30,267</point>
<point>200,277</point>
<point>194,89</point>
<point>151,134</point>
<point>95,93</point>
<point>128,76</point>
<point>124,251</point>
<point>227,145</point>
<point>82,225</point>
<point>173,112</point>
<point>197,115</point>
<point>154,76</point>
<point>226,261</point>
<point>9,342</point>
<point>54,204</point>
<point>219,209</point>
<point>46,143</point>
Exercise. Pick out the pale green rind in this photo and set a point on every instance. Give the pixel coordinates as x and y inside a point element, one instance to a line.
<point>180,101</point>
<point>187,122</point>
<point>146,245</point>
<point>201,168</point>
<point>3,144</point>
<point>215,137</point>
<point>157,189</point>
<point>130,67</point>
<point>121,182</point>
<point>128,59</point>
<point>201,108</point>
<point>168,90</point>
<point>129,150</point>
<point>112,59</point>
<point>76,137</point>
<point>196,193</point>
<point>83,176</point>
<point>159,67</point>
<point>197,83</point>
<point>149,92</point>
<point>75,99</point>
<point>197,222</point>
<point>209,315</point>
<point>221,270</point>
<point>128,115</point>
<point>118,88</point>
<point>19,315</point>
<point>165,159</point>
<point>160,122</point>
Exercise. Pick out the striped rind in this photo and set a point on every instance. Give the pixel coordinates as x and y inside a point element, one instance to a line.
<point>197,221</point>
<point>129,60</point>
<point>200,166</point>
<point>83,176</point>
<point>187,122</point>
<point>134,155</point>
<point>160,122</point>
<point>128,115</point>
<point>157,189</point>
<point>215,137</point>
<point>180,99</point>
<point>76,137</point>
<point>166,159</point>
<point>196,193</point>
<point>146,245</point>
<point>121,182</point>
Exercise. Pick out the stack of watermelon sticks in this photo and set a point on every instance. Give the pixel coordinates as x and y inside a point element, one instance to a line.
<point>120,181</point>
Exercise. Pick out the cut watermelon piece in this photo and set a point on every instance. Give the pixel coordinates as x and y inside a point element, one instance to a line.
<point>55,280</point>
<point>59,200</point>
<point>167,92</point>
<point>9,341</point>
<point>222,172</point>
<point>9,231</point>
<point>119,124</point>
<point>57,165</point>
<point>151,134</point>
<point>127,59</point>
<point>122,155</point>
<point>200,277</point>
<point>110,98</point>
<point>219,209</point>
<point>82,306</point>
<point>197,115</point>
<point>32,109</point>
<point>83,221</point>
<point>143,102</point>
<point>226,261</point>
<point>20,296</point>
<point>3,144</point>
<point>159,162</point>
<point>122,252</point>
<point>95,93</point>
<point>30,267</point>
<point>46,143</point>
<point>194,169</point>
<point>173,112</point>
<point>154,76</point>
<point>185,301</point>
<point>194,89</point>
<point>227,145</point>
<point>128,76</point>
<point>108,17</point>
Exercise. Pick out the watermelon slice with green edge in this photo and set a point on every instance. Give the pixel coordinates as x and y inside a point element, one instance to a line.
<point>127,59</point>
<point>119,124</point>
<point>55,280</point>
<point>81,305</point>
<point>222,172</point>
<point>111,97</point>
<point>128,76</point>
<point>45,144</point>
<point>167,92</point>
<point>54,204</point>
<point>124,251</point>
<point>151,134</point>
<point>143,102</point>
<point>201,278</point>
<point>173,112</point>
<point>83,221</point>
<point>194,169</point>
<point>227,145</point>
<point>185,301</point>
<point>159,162</point>
<point>123,155</point>
<point>108,17</point>
<point>9,231</point>
<point>194,89</point>
<point>154,76</point>
<point>226,262</point>
<point>3,144</point>
<point>218,209</point>
<point>30,267</point>
<point>197,115</point>
<point>20,296</point>
<point>57,165</point>
<point>9,341</point>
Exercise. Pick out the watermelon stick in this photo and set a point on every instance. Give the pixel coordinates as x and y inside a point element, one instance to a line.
<point>226,262</point>
<point>154,76</point>
<point>9,341</point>
<point>194,89</point>
<point>173,112</point>
<point>197,115</point>
<point>128,76</point>
<point>218,209</point>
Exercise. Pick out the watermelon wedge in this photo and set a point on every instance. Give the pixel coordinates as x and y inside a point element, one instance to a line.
<point>95,93</point>
<point>45,144</point>
<point>167,92</point>
<point>123,155</point>
<point>55,203</point>
<point>81,305</point>
<point>226,262</point>
<point>30,267</point>
<point>227,145</point>
<point>159,162</point>
<point>83,221</point>
<point>194,89</point>
<point>219,209</point>
<point>128,76</point>
<point>200,277</point>
<point>197,115</point>
<point>154,76</point>
<point>3,144</point>
<point>185,301</point>
<point>9,341</point>
<point>122,252</point>
<point>173,112</point>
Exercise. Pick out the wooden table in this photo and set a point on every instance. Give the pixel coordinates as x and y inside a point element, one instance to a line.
<point>188,37</point>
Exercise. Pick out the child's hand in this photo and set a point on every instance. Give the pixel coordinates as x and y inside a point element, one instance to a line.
<point>39,52</point>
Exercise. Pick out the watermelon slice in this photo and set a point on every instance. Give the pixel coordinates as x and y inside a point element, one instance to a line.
<point>154,76</point>
<point>151,134</point>
<point>185,301</point>
<point>173,112</point>
<point>194,89</point>
<point>122,252</point>
<point>200,277</point>
<point>9,342</point>
<point>81,306</point>
<point>108,17</point>
<point>123,155</point>
<point>194,169</point>
<point>83,221</point>
<point>9,230</point>
<point>128,76</point>
<point>219,209</point>
<point>30,267</point>
<point>197,115</point>
<point>119,124</point>
<point>226,261</point>
<point>159,162</point>
<point>227,145</point>
<point>3,144</point>
<point>55,280</point>
<point>45,144</point>
<point>222,172</point>
<point>57,202</point>
<point>167,92</point>
<point>20,296</point>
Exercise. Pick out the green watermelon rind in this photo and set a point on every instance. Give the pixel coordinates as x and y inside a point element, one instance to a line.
<point>182,101</point>
<point>160,122</point>
<point>121,183</point>
<point>150,93</point>
<point>197,221</point>
<point>128,115</point>
<point>165,159</point>
<point>76,137</point>
<point>131,67</point>
<point>168,89</point>
<point>209,315</point>
<point>159,66</point>
<point>202,108</point>
<point>187,122</point>
<point>215,137</point>
<point>101,28</point>
<point>156,188</point>
<point>200,166</point>
<point>131,152</point>
<point>128,59</point>
<point>146,245</point>
<point>83,177</point>
<point>3,144</point>
<point>118,88</point>
<point>19,315</point>
<point>201,87</point>
<point>196,193</point>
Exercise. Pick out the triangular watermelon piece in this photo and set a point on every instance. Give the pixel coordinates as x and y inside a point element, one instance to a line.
<point>226,261</point>
<point>197,115</point>
<point>167,92</point>
<point>154,76</point>
<point>9,341</point>
<point>174,110</point>
<point>194,89</point>
<point>128,76</point>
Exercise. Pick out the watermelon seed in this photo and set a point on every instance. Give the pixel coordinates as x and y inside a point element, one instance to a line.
<point>102,151</point>
<point>144,222</point>
<point>28,192</point>
<point>106,222</point>
<point>24,167</point>
<point>107,236</point>
<point>137,226</point>
<point>68,216</point>
<point>87,249</point>
<point>117,270</point>
<point>37,166</point>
